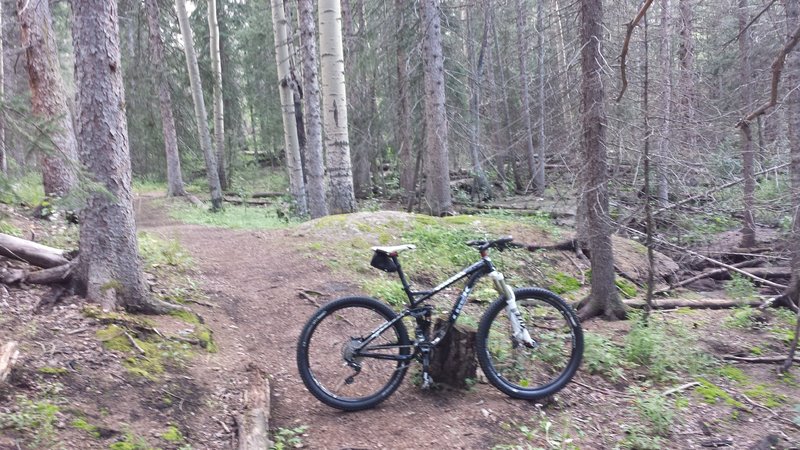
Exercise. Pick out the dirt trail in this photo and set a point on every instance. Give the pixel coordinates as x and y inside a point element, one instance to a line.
<point>254,277</point>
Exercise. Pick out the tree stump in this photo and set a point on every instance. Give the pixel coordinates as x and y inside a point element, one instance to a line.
<point>453,361</point>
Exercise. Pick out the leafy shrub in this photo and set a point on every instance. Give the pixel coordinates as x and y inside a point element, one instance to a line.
<point>740,288</point>
<point>663,349</point>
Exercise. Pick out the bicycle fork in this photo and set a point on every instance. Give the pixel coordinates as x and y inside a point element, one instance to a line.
<point>520,333</point>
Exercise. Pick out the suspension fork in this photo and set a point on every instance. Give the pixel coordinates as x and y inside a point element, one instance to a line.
<point>520,332</point>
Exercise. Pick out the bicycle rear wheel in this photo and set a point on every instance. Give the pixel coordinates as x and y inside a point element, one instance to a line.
<point>333,368</point>
<point>530,372</point>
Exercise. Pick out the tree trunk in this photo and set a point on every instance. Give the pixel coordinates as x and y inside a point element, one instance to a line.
<point>174,176</point>
<point>109,267</point>
<point>665,132</point>
<point>292,145</point>
<point>403,139</point>
<point>748,223</point>
<point>522,53</point>
<point>3,156</point>
<point>480,186</point>
<point>603,299</point>
<point>317,201</point>
<point>199,107</point>
<point>454,361</point>
<point>540,157</point>
<point>437,189</point>
<point>334,108</point>
<point>686,77</point>
<point>48,97</point>
<point>216,76</point>
<point>793,116</point>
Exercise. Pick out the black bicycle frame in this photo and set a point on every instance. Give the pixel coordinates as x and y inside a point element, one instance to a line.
<point>475,272</point>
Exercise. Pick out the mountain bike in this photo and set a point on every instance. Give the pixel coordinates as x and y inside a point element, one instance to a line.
<point>354,352</point>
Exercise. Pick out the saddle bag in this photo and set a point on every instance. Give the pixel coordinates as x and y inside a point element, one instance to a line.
<point>383,262</point>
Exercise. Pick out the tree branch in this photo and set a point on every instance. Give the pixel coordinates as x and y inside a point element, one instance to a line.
<point>624,55</point>
<point>777,68</point>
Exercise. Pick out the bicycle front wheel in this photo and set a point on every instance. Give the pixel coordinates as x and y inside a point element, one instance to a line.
<point>523,370</point>
<point>336,364</point>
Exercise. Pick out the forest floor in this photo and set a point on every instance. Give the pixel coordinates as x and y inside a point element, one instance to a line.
<point>70,390</point>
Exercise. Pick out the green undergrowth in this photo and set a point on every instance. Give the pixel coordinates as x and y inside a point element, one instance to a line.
<point>658,350</point>
<point>232,216</point>
<point>35,420</point>
<point>144,357</point>
<point>156,252</point>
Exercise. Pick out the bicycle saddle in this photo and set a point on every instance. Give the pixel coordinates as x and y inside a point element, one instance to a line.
<point>394,250</point>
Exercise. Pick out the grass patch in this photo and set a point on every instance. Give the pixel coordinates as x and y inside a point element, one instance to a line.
<point>52,370</point>
<point>561,283</point>
<point>82,424</point>
<point>601,356</point>
<point>130,441</point>
<point>161,252</point>
<point>34,419</point>
<point>664,350</point>
<point>626,288</point>
<point>761,393</point>
<point>657,412</point>
<point>734,374</point>
<point>740,288</point>
<point>711,394</point>
<point>233,216</point>
<point>742,317</point>
<point>173,435</point>
<point>390,291</point>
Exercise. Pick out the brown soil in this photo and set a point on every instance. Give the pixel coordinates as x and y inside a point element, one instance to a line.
<point>254,278</point>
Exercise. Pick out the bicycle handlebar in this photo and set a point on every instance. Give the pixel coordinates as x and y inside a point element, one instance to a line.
<point>504,243</point>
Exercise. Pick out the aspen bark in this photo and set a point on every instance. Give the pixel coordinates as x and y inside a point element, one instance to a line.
<point>109,267</point>
<point>199,106</point>
<point>48,97</point>
<point>292,145</point>
<point>317,201</point>
<point>219,105</point>
<point>174,176</point>
<point>334,108</point>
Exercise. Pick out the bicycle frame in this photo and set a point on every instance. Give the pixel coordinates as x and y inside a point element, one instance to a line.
<point>474,273</point>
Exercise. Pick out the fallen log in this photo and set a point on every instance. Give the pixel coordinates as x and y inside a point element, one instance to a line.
<point>759,359</point>
<point>254,422</point>
<point>687,303</point>
<point>257,194</point>
<point>711,273</point>
<point>8,357</point>
<point>711,260</point>
<point>247,201</point>
<point>58,274</point>
<point>31,252</point>
<point>770,272</point>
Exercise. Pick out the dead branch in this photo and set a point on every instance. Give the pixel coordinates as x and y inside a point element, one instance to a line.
<point>777,68</point>
<point>31,252</point>
<point>624,55</point>
<point>751,23</point>
<point>711,260</point>
<point>759,359</point>
<point>257,194</point>
<point>254,422</point>
<point>715,189</point>
<point>134,344</point>
<point>680,388</point>
<point>708,274</point>
<point>687,303</point>
<point>247,201</point>
<point>8,357</point>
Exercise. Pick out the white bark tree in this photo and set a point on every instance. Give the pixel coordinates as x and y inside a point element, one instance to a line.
<point>219,111</point>
<point>287,87</point>
<point>315,163</point>
<point>334,107</point>
<point>199,106</point>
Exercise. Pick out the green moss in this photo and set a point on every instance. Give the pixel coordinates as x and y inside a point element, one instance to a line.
<point>186,316</point>
<point>733,373</point>
<point>52,370</point>
<point>206,338</point>
<point>756,350</point>
<point>711,393</point>
<point>113,338</point>
<point>130,442</point>
<point>561,283</point>
<point>9,228</point>
<point>173,434</point>
<point>768,398</point>
<point>626,288</point>
<point>90,429</point>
